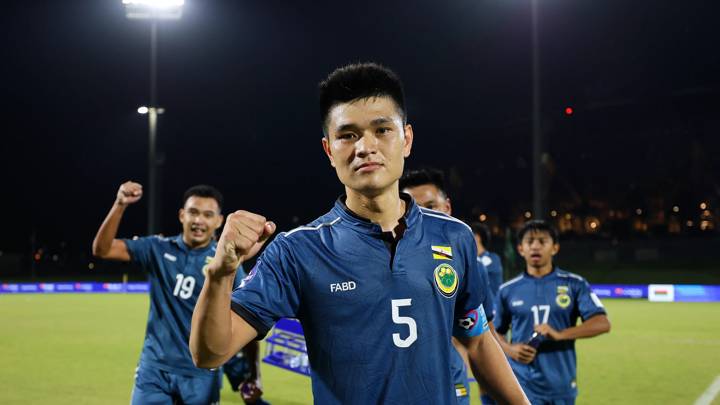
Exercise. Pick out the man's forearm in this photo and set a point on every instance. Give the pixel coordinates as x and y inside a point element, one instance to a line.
<point>108,230</point>
<point>211,329</point>
<point>492,371</point>
<point>594,326</point>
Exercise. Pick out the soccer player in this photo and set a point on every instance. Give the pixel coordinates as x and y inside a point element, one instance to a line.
<point>427,187</point>
<point>541,308</point>
<point>378,283</point>
<point>489,259</point>
<point>166,373</point>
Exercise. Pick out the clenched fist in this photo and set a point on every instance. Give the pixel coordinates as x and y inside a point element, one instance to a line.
<point>242,237</point>
<point>129,193</point>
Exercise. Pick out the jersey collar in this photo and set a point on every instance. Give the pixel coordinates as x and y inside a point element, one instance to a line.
<point>364,225</point>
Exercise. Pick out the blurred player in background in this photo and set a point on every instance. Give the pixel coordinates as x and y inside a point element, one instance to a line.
<point>541,308</point>
<point>427,187</point>
<point>175,269</point>
<point>490,260</point>
<point>379,284</point>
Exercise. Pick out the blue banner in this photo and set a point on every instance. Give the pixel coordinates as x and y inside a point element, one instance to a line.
<point>73,287</point>
<point>620,290</point>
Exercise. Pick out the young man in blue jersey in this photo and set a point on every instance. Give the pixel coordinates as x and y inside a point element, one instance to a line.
<point>427,187</point>
<point>166,373</point>
<point>541,308</point>
<point>489,259</point>
<point>379,284</point>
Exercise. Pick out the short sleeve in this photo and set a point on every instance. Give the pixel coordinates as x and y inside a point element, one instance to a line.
<point>502,314</point>
<point>270,291</point>
<point>470,318</point>
<point>588,302</point>
<point>140,250</point>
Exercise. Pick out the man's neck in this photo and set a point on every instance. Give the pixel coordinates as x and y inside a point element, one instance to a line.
<point>190,245</point>
<point>384,209</point>
<point>541,271</point>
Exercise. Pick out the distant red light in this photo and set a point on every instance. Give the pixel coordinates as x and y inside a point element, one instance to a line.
<point>568,111</point>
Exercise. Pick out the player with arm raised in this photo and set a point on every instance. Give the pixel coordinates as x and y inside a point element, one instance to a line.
<point>377,309</point>
<point>174,266</point>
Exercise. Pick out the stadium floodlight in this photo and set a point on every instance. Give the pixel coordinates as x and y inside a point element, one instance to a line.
<point>153,9</point>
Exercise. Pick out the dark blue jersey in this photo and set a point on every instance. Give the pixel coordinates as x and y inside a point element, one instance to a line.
<point>378,312</point>
<point>558,299</point>
<point>494,268</point>
<point>175,273</point>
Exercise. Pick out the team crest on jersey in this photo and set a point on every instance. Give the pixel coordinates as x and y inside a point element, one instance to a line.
<point>446,280</point>
<point>442,252</point>
<point>563,300</point>
<point>563,289</point>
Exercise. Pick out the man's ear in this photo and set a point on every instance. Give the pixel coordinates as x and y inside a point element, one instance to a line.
<point>409,136</point>
<point>326,148</point>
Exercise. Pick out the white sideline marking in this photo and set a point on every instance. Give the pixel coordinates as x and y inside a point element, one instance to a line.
<point>707,397</point>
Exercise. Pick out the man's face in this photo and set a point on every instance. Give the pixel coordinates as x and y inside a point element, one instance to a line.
<point>537,248</point>
<point>367,144</point>
<point>429,196</point>
<point>200,217</point>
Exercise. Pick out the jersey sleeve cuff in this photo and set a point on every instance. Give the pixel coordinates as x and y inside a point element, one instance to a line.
<point>252,319</point>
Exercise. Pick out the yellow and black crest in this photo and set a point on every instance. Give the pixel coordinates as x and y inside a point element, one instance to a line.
<point>446,280</point>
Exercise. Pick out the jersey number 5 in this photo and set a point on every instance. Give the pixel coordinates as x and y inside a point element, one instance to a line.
<point>403,320</point>
<point>184,286</point>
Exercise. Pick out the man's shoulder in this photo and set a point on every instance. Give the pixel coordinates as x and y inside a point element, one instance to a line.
<point>511,284</point>
<point>571,277</point>
<point>313,229</point>
<point>450,224</point>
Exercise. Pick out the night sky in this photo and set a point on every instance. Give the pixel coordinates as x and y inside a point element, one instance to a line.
<point>238,80</point>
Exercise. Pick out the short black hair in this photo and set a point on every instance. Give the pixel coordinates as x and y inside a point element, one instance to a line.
<point>482,231</point>
<point>357,81</point>
<point>420,177</point>
<point>537,225</point>
<point>203,190</point>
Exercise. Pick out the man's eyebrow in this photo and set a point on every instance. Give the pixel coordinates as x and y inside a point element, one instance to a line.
<point>345,127</point>
<point>379,121</point>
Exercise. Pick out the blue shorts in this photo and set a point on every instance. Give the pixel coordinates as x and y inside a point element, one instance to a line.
<point>154,386</point>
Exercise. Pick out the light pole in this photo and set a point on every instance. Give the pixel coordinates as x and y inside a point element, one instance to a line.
<point>538,174</point>
<point>153,10</point>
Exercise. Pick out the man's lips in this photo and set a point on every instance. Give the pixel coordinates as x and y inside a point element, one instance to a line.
<point>368,166</point>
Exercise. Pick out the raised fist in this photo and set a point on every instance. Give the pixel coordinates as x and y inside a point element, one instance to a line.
<point>242,237</point>
<point>129,193</point>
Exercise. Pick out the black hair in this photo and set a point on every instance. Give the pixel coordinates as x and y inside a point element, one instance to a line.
<point>482,231</point>
<point>537,225</point>
<point>357,81</point>
<point>203,190</point>
<point>420,177</point>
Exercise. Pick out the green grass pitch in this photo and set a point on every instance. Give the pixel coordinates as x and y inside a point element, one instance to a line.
<point>82,349</point>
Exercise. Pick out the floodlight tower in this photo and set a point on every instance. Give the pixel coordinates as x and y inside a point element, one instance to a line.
<point>153,11</point>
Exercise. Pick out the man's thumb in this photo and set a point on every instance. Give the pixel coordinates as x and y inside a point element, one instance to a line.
<point>268,230</point>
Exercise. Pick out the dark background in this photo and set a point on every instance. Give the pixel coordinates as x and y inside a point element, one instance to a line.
<point>238,82</point>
